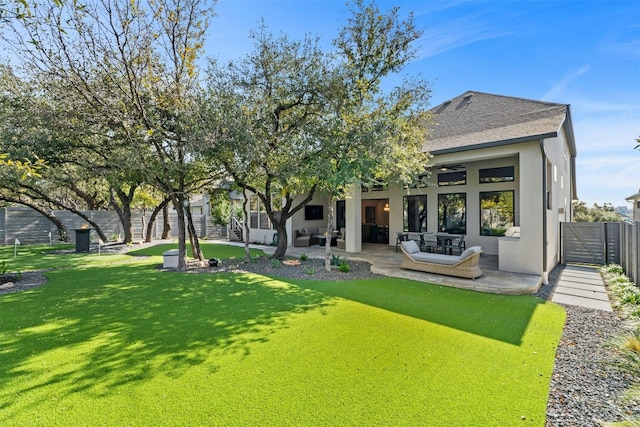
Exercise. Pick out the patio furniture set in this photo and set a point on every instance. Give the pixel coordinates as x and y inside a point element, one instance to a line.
<point>434,242</point>
<point>316,236</point>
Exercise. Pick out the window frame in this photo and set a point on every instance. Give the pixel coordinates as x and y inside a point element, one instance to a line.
<point>497,177</point>
<point>422,201</point>
<point>462,227</point>
<point>453,182</point>
<point>505,225</point>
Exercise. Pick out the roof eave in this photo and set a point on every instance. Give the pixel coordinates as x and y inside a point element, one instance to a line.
<point>493,144</point>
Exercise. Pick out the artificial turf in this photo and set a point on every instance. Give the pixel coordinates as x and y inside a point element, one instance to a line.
<point>133,345</point>
<point>39,257</point>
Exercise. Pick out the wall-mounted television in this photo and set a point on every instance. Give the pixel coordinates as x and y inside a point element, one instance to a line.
<point>312,212</point>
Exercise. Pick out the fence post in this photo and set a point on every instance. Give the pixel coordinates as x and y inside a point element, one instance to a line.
<point>635,252</point>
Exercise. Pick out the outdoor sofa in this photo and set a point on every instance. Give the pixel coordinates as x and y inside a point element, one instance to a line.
<point>307,236</point>
<point>464,265</point>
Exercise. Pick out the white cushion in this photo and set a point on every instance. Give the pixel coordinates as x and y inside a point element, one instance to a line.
<point>470,251</point>
<point>410,247</point>
<point>436,258</point>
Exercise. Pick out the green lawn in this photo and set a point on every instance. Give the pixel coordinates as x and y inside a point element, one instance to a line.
<point>209,250</point>
<point>39,257</point>
<point>126,344</point>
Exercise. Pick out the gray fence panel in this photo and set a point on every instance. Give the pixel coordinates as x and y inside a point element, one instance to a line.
<point>613,244</point>
<point>26,225</point>
<point>29,226</point>
<point>583,242</point>
<point>603,243</point>
<point>630,250</point>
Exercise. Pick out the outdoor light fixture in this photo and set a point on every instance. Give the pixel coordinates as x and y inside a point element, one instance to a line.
<point>386,207</point>
<point>185,203</point>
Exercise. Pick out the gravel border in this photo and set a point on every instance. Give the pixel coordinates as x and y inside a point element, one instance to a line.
<point>587,387</point>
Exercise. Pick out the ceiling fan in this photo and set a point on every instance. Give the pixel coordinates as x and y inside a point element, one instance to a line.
<point>444,168</point>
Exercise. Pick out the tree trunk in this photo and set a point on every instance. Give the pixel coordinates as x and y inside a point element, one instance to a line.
<point>142,220</point>
<point>166,223</point>
<point>193,237</point>
<point>152,219</point>
<point>327,244</point>
<point>281,249</point>
<point>182,250</point>
<point>245,202</point>
<point>123,209</point>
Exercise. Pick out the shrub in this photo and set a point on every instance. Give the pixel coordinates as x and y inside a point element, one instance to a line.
<point>304,257</point>
<point>310,271</point>
<point>613,269</point>
<point>335,260</point>
<point>631,298</point>
<point>3,267</point>
<point>344,267</point>
<point>276,263</point>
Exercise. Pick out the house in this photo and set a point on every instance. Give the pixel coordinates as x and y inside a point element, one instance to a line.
<point>635,199</point>
<point>499,163</point>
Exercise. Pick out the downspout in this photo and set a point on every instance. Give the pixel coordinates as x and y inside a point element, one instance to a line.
<point>545,274</point>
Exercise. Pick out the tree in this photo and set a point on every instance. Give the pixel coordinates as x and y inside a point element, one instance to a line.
<point>290,119</point>
<point>260,120</point>
<point>131,70</point>
<point>370,135</point>
<point>597,213</point>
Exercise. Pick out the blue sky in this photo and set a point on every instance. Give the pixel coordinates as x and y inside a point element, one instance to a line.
<point>582,53</point>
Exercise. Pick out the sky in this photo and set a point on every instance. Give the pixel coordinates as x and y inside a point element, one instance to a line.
<point>582,53</point>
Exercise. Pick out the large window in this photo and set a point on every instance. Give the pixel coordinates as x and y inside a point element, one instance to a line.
<point>452,213</point>
<point>496,212</point>
<point>504,174</point>
<point>415,213</point>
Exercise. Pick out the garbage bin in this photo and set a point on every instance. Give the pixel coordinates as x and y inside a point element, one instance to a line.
<point>170,258</point>
<point>82,239</point>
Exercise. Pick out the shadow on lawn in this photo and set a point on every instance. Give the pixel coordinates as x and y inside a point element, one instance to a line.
<point>499,317</point>
<point>121,324</point>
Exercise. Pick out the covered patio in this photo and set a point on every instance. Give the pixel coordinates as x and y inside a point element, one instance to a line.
<point>386,261</point>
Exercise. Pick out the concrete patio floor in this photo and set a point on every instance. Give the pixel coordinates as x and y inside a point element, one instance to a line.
<point>386,261</point>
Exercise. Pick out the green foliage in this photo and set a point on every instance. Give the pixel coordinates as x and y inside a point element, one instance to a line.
<point>597,213</point>
<point>3,267</point>
<point>304,257</point>
<point>626,298</point>
<point>276,263</point>
<point>310,271</point>
<point>335,259</point>
<point>613,269</point>
<point>344,267</point>
<point>220,208</point>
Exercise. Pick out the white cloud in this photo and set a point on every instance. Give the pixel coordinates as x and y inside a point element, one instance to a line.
<point>558,89</point>
<point>457,33</point>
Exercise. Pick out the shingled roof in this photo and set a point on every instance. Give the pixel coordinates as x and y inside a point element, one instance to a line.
<point>475,120</point>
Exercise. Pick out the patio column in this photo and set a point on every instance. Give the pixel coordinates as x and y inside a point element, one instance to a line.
<point>396,211</point>
<point>353,219</point>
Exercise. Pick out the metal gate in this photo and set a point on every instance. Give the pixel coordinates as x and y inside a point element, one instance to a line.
<point>590,242</point>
